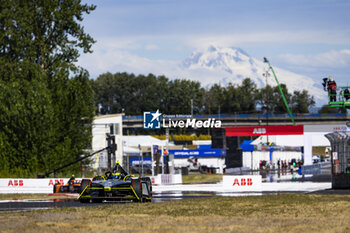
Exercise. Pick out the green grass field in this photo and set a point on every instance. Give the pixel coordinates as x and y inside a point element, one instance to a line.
<point>29,196</point>
<point>270,213</point>
<point>201,178</point>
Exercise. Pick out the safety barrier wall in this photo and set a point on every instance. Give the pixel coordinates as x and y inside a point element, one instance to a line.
<point>29,185</point>
<point>19,185</point>
<point>316,169</point>
<point>242,183</point>
<point>166,179</point>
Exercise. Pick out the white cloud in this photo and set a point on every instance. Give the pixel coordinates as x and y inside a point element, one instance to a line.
<point>114,59</point>
<point>228,39</point>
<point>331,59</point>
<point>112,52</point>
<point>265,37</point>
<point>151,47</point>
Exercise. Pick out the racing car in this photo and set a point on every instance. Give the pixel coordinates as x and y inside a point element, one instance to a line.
<point>116,185</point>
<point>72,186</point>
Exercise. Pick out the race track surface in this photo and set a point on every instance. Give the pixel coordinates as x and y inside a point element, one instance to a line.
<point>176,192</point>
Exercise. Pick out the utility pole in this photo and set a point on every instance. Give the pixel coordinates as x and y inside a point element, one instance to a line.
<point>267,74</point>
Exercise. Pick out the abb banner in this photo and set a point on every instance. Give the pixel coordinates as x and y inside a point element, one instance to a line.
<point>264,130</point>
<point>242,183</point>
<point>29,185</point>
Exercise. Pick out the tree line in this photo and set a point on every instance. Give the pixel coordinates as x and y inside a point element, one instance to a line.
<point>46,101</point>
<point>134,94</point>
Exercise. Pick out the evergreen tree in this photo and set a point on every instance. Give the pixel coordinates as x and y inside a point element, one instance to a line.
<point>327,109</point>
<point>215,99</point>
<point>122,92</point>
<point>247,96</point>
<point>301,101</point>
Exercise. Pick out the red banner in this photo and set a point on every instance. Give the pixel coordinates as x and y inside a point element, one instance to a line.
<point>264,130</point>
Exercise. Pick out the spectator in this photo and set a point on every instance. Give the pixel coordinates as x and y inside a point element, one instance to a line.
<point>346,94</point>
<point>332,89</point>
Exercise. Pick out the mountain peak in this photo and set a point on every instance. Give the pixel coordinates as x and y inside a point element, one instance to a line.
<point>211,48</point>
<point>232,65</point>
<point>214,57</point>
<point>229,60</point>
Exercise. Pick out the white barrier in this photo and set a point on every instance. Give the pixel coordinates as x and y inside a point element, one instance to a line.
<point>46,185</point>
<point>156,180</point>
<point>242,183</point>
<point>29,185</point>
<point>166,179</point>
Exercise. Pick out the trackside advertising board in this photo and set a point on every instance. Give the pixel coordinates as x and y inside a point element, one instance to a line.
<point>242,183</point>
<point>29,185</point>
<point>264,130</point>
<point>46,185</point>
<point>198,153</point>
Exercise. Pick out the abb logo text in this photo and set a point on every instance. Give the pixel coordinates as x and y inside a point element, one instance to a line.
<point>15,183</point>
<point>53,182</point>
<point>244,182</point>
<point>259,131</point>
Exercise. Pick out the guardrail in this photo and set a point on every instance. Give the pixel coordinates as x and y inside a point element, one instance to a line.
<point>29,185</point>
<point>45,186</point>
<point>316,169</point>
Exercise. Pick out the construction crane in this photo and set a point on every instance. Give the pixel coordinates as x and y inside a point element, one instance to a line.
<point>280,89</point>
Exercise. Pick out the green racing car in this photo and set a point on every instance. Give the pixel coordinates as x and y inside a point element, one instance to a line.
<point>116,185</point>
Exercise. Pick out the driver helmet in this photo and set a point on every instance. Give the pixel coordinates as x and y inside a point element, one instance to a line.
<point>71,179</point>
<point>116,175</point>
<point>330,78</point>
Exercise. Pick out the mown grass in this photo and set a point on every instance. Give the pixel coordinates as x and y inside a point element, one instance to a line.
<point>17,196</point>
<point>201,178</point>
<point>273,213</point>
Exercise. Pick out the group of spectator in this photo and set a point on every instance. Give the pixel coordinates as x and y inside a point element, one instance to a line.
<point>281,164</point>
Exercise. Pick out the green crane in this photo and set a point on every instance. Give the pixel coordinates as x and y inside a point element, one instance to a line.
<point>279,87</point>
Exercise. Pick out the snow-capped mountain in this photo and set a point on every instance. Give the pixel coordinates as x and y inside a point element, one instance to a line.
<point>226,65</point>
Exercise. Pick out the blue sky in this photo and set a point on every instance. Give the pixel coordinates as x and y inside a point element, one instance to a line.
<point>308,37</point>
